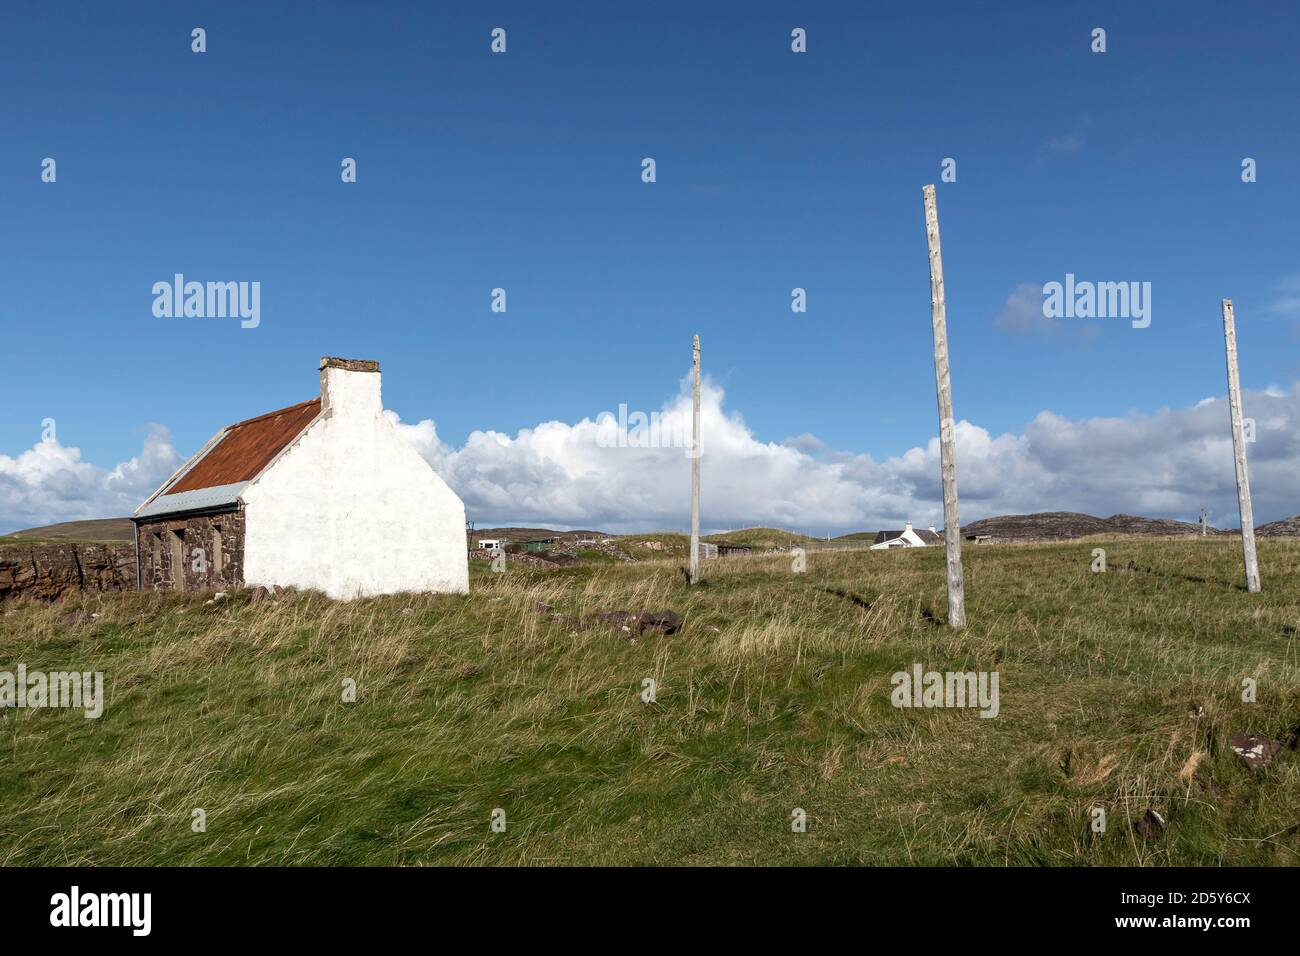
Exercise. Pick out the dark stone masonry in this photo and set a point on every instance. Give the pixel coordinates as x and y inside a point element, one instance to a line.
<point>49,572</point>
<point>208,550</point>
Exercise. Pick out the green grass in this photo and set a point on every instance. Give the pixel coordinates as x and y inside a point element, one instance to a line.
<point>762,538</point>
<point>671,545</point>
<point>775,696</point>
<point>596,556</point>
<point>94,531</point>
<point>9,543</point>
<point>677,546</point>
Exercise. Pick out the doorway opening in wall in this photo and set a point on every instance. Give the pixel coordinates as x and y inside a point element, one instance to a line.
<point>215,562</point>
<point>177,543</point>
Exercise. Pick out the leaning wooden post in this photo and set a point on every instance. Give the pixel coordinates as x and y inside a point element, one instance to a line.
<point>947,438</point>
<point>695,465</point>
<point>1239,450</point>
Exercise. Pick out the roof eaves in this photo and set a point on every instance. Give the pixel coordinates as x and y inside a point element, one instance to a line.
<point>198,500</point>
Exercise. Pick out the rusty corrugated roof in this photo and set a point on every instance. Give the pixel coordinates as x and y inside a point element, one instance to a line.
<point>247,447</point>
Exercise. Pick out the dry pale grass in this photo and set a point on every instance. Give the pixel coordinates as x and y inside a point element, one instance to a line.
<point>1118,691</point>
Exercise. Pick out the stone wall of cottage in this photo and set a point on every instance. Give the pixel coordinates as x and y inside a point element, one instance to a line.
<point>210,551</point>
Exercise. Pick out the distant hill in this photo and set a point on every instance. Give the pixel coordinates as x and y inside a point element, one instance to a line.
<point>1043,526</point>
<point>517,535</point>
<point>1063,525</point>
<point>674,544</point>
<point>1286,526</point>
<point>760,538</point>
<point>655,545</point>
<point>96,530</point>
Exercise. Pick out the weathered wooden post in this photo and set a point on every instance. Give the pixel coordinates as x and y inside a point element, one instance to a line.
<point>1239,450</point>
<point>695,465</point>
<point>947,427</point>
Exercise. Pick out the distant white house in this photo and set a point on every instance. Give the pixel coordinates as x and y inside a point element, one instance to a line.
<point>907,538</point>
<point>324,495</point>
<point>491,544</point>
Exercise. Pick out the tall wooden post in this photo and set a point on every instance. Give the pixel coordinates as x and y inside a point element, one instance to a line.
<point>947,426</point>
<point>1239,451</point>
<point>695,465</point>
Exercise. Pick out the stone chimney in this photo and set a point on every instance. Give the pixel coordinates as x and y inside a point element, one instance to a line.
<point>908,528</point>
<point>932,531</point>
<point>349,387</point>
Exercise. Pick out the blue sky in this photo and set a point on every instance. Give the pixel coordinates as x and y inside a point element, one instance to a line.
<point>522,171</point>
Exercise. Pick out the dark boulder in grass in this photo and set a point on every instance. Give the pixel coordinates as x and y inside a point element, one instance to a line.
<point>654,622</point>
<point>664,622</point>
<point>1150,824</point>
<point>1255,753</point>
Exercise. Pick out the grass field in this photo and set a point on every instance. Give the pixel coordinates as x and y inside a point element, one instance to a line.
<point>762,538</point>
<point>677,546</point>
<point>1118,690</point>
<point>95,531</point>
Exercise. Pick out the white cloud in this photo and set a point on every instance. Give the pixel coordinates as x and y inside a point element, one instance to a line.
<point>1065,145</point>
<point>1168,463</point>
<point>1023,313</point>
<point>49,482</point>
<point>1069,143</point>
<point>1286,300</point>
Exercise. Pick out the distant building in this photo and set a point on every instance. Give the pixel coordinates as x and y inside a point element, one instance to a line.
<point>728,550</point>
<point>907,538</point>
<point>491,544</point>
<point>979,538</point>
<point>723,549</point>
<point>539,544</point>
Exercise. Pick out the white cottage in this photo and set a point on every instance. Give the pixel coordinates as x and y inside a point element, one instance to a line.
<point>325,495</point>
<point>907,538</point>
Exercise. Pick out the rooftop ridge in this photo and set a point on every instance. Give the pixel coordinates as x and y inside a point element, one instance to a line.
<point>278,411</point>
